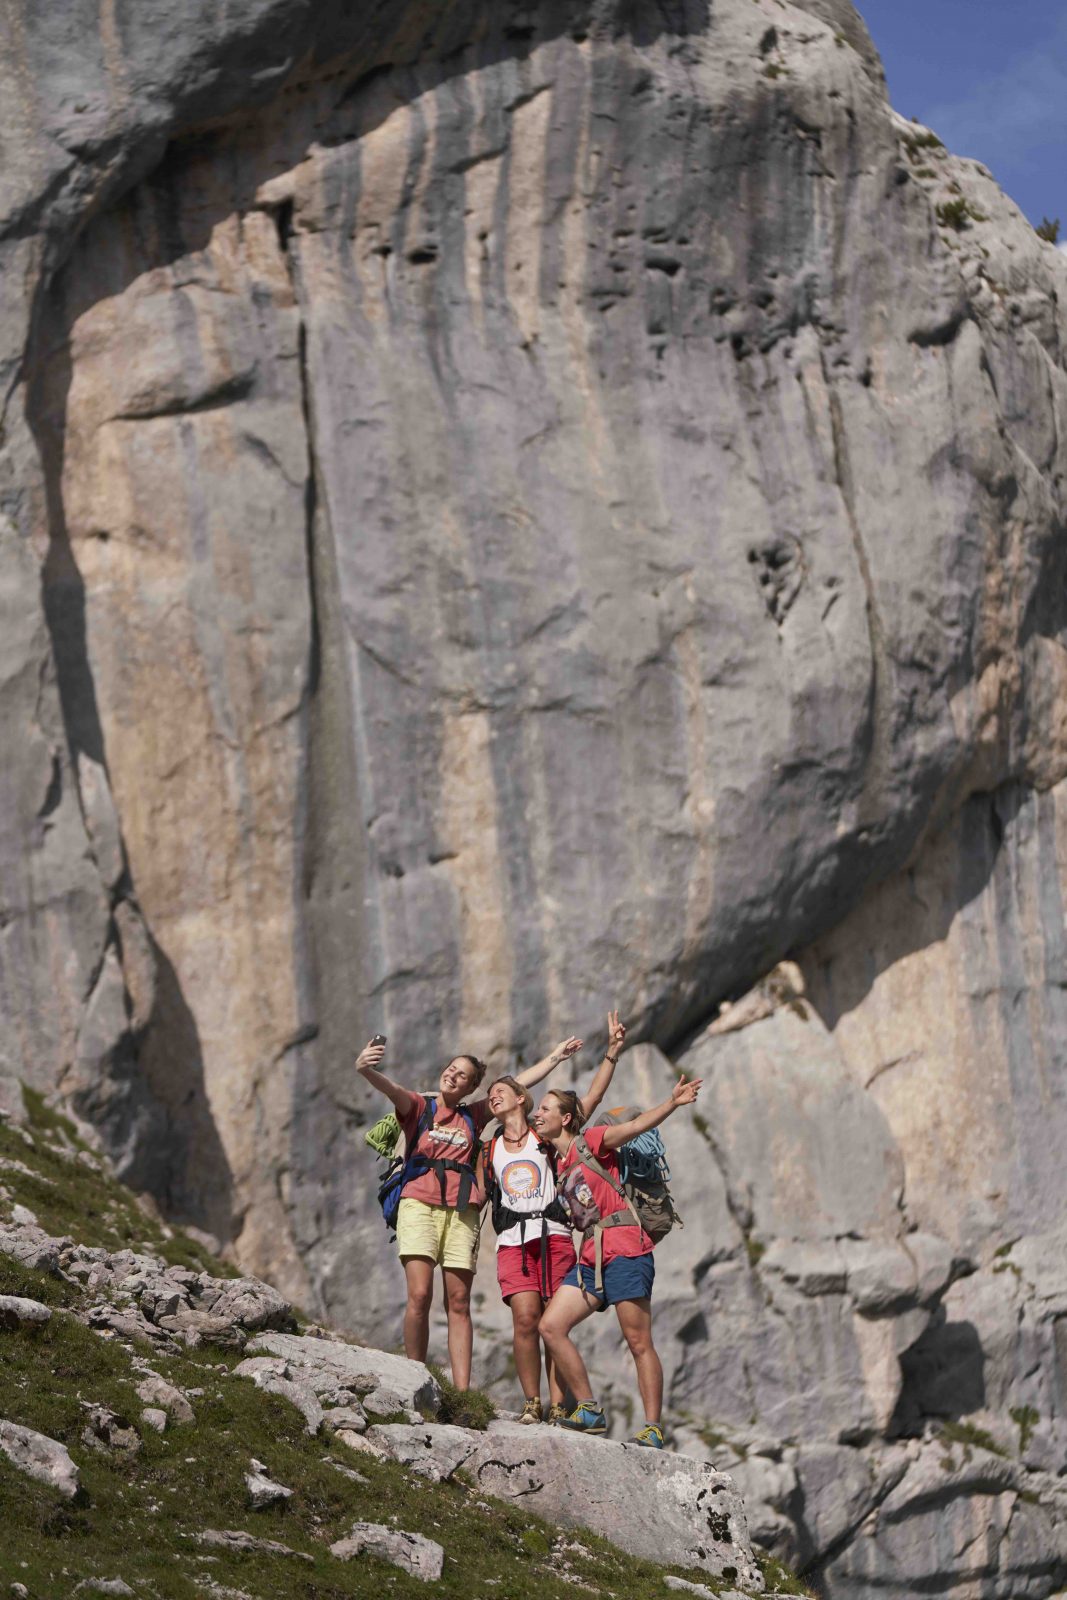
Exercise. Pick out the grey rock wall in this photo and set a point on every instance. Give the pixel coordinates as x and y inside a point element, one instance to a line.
<point>505,510</point>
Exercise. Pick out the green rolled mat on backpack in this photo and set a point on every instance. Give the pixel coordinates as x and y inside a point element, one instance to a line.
<point>383,1137</point>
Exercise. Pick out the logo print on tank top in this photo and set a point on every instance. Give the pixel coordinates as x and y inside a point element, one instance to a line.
<point>521,1180</point>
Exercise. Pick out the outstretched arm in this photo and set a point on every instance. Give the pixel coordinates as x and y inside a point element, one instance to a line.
<point>541,1069</point>
<point>683,1094</point>
<point>367,1064</point>
<point>604,1073</point>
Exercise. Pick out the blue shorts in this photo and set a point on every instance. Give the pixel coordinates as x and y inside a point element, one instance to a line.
<point>625,1278</point>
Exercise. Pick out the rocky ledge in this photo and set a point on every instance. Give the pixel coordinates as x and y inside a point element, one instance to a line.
<point>159,1415</point>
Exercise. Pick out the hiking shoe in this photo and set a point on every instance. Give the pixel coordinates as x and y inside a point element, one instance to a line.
<point>531,1412</point>
<point>556,1413</point>
<point>585,1419</point>
<point>651,1434</point>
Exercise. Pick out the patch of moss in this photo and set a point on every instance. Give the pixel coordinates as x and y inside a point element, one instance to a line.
<point>755,1249</point>
<point>1026,1420</point>
<point>773,70</point>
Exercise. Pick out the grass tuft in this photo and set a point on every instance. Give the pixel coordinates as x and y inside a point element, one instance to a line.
<point>1026,1419</point>
<point>464,1408</point>
<point>969,1436</point>
<point>958,214</point>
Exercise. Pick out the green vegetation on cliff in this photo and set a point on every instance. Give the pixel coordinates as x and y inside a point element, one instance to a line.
<point>141,1511</point>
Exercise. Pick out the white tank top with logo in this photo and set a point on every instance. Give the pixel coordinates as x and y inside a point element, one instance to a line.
<point>526,1183</point>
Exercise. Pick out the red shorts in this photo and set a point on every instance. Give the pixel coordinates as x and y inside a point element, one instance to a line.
<point>512,1279</point>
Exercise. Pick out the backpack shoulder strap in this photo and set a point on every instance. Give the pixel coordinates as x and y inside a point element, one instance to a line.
<point>487,1161</point>
<point>426,1120</point>
<point>588,1159</point>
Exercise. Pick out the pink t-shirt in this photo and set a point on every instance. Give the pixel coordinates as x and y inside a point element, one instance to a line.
<point>449,1139</point>
<point>620,1241</point>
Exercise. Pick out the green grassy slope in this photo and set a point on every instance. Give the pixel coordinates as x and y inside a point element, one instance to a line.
<point>139,1515</point>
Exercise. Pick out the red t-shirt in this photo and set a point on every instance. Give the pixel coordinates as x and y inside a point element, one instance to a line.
<point>449,1139</point>
<point>620,1241</point>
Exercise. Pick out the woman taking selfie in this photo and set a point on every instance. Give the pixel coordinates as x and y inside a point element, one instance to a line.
<point>437,1219</point>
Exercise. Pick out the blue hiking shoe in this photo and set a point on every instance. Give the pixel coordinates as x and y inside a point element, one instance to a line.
<point>651,1434</point>
<point>585,1419</point>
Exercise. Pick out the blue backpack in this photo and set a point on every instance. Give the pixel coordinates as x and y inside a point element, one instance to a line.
<point>407,1163</point>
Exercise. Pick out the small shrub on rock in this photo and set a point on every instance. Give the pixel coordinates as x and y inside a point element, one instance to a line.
<point>464,1408</point>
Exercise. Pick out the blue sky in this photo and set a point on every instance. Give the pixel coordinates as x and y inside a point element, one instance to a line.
<point>990,77</point>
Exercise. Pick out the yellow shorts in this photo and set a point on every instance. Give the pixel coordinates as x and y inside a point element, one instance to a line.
<point>443,1235</point>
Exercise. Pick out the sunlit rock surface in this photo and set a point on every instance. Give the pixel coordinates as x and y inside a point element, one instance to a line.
<point>509,509</point>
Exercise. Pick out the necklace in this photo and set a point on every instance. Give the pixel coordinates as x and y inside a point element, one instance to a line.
<point>515,1139</point>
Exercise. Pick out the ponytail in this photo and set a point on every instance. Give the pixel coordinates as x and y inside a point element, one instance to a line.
<point>570,1106</point>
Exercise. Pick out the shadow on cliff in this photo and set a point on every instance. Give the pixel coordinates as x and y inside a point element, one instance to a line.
<point>346,97</point>
<point>151,1107</point>
<point>943,1377</point>
<point>206,175</point>
<point>916,908</point>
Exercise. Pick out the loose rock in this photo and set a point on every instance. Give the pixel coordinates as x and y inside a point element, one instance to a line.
<point>16,1313</point>
<point>397,1384</point>
<point>156,1391</point>
<point>263,1491</point>
<point>39,1457</point>
<point>422,1558</point>
<point>237,1539</point>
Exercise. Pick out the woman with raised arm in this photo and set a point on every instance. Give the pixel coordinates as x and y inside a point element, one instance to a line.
<point>437,1220</point>
<point>616,1267</point>
<point>535,1247</point>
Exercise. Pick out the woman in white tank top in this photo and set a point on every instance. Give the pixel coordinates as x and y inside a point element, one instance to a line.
<point>535,1248</point>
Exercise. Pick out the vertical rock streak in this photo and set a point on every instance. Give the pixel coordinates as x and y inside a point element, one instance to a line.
<point>542,510</point>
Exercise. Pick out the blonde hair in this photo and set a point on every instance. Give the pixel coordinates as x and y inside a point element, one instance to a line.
<point>569,1105</point>
<point>520,1089</point>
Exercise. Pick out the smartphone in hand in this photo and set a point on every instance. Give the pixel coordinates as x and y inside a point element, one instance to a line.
<point>379,1038</point>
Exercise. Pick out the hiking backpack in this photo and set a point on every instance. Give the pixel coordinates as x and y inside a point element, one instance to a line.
<point>644,1175</point>
<point>405,1163</point>
<point>642,1184</point>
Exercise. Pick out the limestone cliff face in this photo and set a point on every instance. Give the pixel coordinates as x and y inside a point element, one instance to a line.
<point>512,508</point>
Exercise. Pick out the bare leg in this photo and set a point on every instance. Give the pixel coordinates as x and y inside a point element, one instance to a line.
<point>418,1270</point>
<point>525,1315</point>
<point>557,1393</point>
<point>458,1282</point>
<point>567,1308</point>
<point>635,1320</point>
